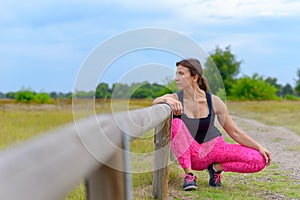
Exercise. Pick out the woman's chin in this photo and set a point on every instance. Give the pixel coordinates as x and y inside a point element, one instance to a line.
<point>179,87</point>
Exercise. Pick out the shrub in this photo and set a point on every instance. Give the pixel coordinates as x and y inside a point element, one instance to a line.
<point>291,97</point>
<point>28,96</point>
<point>25,96</point>
<point>253,88</point>
<point>42,98</point>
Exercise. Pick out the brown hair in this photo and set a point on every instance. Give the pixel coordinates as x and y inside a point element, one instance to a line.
<point>195,68</point>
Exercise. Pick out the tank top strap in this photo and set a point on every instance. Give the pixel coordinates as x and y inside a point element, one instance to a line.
<point>209,101</point>
<point>180,96</point>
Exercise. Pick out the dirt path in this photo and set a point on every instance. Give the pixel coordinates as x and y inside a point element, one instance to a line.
<point>283,143</point>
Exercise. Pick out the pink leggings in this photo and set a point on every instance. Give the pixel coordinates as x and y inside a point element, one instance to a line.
<point>234,157</point>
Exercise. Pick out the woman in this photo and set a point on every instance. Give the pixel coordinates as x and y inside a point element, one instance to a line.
<point>196,142</point>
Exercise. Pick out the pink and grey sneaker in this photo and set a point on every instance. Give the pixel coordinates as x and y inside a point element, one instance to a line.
<point>214,177</point>
<point>189,182</point>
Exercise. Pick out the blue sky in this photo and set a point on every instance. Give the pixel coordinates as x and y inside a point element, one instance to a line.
<point>43,44</point>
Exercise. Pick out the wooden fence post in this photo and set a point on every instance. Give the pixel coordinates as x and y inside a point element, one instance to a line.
<point>161,159</point>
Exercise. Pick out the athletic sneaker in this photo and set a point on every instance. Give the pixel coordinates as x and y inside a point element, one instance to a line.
<point>214,177</point>
<point>189,182</point>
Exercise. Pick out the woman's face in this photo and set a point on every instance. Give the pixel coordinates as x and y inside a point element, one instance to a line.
<point>183,78</point>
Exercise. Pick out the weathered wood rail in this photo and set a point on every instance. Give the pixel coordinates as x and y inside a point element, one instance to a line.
<point>50,166</point>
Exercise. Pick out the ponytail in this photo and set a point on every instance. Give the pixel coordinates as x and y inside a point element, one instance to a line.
<point>203,83</point>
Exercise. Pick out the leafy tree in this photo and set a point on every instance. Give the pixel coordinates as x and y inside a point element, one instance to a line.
<point>2,95</point>
<point>68,95</point>
<point>53,95</point>
<point>120,90</point>
<point>141,93</point>
<point>291,97</point>
<point>213,76</point>
<point>156,89</point>
<point>228,68</point>
<point>253,88</point>
<point>141,90</point>
<point>24,95</point>
<point>287,90</point>
<point>84,94</point>
<point>28,96</point>
<point>10,95</point>
<point>42,98</point>
<point>297,88</point>
<point>168,88</point>
<point>103,91</point>
<point>273,82</point>
<point>62,95</point>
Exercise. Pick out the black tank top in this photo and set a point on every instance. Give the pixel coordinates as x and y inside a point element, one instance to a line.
<point>202,129</point>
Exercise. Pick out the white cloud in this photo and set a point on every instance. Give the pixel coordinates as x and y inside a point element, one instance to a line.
<point>192,9</point>
<point>251,43</point>
<point>202,10</point>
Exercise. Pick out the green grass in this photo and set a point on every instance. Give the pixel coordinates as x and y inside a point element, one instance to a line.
<point>77,194</point>
<point>21,122</point>
<point>268,184</point>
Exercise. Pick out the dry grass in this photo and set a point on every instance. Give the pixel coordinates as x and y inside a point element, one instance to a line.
<point>21,122</point>
<point>275,113</point>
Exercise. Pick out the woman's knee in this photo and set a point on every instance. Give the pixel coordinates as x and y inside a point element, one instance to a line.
<point>255,160</point>
<point>259,162</point>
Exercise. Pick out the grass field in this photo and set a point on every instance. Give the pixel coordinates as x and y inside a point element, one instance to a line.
<point>274,113</point>
<point>20,122</point>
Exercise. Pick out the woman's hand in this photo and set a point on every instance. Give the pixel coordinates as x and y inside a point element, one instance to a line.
<point>176,106</point>
<point>172,101</point>
<point>266,154</point>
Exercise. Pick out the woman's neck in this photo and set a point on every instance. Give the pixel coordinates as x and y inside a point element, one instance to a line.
<point>194,93</point>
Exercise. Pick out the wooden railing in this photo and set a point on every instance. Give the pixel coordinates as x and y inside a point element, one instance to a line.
<point>49,167</point>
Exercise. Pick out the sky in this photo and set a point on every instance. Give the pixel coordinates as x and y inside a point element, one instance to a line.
<point>45,44</point>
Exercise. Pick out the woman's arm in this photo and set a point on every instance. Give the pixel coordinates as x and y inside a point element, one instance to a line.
<point>234,132</point>
<point>172,100</point>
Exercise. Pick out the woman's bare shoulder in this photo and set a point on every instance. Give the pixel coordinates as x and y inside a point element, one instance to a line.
<point>216,99</point>
<point>218,104</point>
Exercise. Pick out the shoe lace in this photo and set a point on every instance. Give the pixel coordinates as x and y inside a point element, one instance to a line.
<point>217,177</point>
<point>189,178</point>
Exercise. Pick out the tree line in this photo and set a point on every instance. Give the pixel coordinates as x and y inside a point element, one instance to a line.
<point>221,69</point>
<point>254,87</point>
<point>135,90</point>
